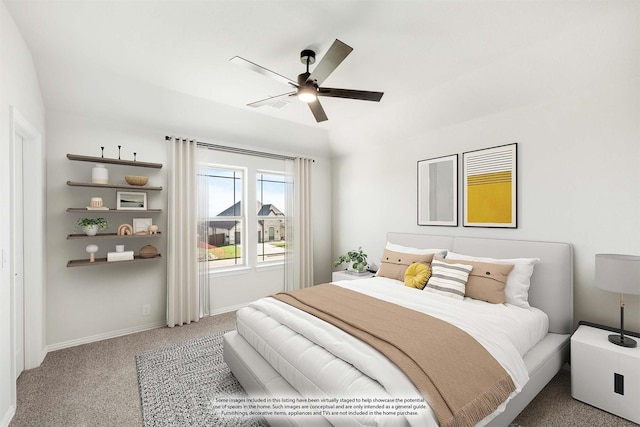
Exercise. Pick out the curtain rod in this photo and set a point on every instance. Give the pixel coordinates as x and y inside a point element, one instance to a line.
<point>237,150</point>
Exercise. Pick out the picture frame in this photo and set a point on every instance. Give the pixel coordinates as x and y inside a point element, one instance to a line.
<point>438,191</point>
<point>131,200</point>
<point>141,224</point>
<point>490,183</point>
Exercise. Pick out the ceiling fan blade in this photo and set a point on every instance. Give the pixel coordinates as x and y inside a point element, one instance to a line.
<point>273,101</point>
<point>330,61</point>
<point>318,111</point>
<point>261,70</point>
<point>363,95</point>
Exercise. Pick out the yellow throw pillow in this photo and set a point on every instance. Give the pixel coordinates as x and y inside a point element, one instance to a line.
<point>417,275</point>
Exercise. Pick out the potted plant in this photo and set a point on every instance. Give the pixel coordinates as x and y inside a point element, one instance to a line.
<point>91,226</point>
<point>357,260</point>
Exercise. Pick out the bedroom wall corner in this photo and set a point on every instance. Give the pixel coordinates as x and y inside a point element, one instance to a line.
<point>578,155</point>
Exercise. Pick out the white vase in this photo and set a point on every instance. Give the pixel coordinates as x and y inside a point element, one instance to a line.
<point>100,174</point>
<point>91,230</point>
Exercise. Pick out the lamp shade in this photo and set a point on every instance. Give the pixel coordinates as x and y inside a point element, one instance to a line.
<point>618,273</point>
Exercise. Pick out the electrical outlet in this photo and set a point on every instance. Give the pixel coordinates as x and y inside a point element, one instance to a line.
<point>146,309</point>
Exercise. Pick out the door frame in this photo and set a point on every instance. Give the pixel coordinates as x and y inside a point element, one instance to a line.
<point>34,185</point>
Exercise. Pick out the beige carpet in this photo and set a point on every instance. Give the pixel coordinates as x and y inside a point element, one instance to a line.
<point>96,385</point>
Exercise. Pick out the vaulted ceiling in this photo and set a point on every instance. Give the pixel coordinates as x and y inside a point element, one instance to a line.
<point>86,51</point>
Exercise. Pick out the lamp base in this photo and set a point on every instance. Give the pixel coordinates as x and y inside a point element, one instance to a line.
<point>623,341</point>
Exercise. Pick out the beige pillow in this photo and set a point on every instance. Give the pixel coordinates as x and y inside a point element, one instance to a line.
<point>394,264</point>
<point>486,281</point>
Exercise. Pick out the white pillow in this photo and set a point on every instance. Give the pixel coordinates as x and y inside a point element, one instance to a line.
<point>448,279</point>
<point>415,251</point>
<point>518,282</point>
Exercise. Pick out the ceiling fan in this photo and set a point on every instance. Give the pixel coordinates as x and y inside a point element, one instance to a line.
<point>308,88</point>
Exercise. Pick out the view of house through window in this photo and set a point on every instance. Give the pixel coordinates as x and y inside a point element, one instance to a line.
<point>223,221</point>
<point>270,192</point>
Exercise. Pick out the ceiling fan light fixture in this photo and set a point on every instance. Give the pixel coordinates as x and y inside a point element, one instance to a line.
<point>307,94</point>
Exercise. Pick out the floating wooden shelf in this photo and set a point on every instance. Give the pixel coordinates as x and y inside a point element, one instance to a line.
<point>110,236</point>
<point>140,211</point>
<point>113,161</point>
<point>103,261</point>
<point>117,186</point>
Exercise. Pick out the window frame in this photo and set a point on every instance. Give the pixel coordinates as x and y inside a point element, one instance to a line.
<point>259,195</point>
<point>242,218</point>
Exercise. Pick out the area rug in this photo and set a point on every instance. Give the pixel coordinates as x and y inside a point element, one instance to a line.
<point>179,384</point>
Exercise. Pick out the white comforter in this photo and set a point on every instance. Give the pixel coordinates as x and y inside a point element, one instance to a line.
<point>320,360</point>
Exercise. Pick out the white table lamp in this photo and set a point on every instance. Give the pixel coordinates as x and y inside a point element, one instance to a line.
<point>621,274</point>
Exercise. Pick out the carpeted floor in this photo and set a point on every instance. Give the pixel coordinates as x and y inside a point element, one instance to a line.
<point>180,384</point>
<point>96,385</point>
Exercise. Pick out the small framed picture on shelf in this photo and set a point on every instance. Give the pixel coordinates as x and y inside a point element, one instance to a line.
<point>131,201</point>
<point>141,224</point>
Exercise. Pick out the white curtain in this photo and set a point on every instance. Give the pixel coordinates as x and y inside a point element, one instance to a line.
<point>204,269</point>
<point>299,255</point>
<point>183,294</point>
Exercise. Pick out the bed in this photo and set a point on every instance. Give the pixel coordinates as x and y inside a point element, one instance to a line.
<point>255,361</point>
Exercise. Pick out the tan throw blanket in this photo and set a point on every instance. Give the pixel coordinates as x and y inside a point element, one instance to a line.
<point>457,376</point>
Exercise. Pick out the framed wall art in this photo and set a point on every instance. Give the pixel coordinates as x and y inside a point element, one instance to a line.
<point>490,187</point>
<point>131,200</point>
<point>141,224</point>
<point>438,191</point>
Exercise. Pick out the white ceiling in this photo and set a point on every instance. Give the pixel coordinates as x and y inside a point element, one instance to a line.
<point>89,50</point>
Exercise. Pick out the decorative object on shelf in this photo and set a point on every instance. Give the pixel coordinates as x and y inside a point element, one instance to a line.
<point>438,191</point>
<point>91,250</point>
<point>148,251</point>
<point>119,151</point>
<point>96,205</point>
<point>153,229</point>
<point>102,155</point>
<point>140,233</point>
<point>120,256</point>
<point>141,224</point>
<point>490,187</point>
<point>136,180</point>
<point>119,248</point>
<point>91,226</point>
<point>357,260</point>
<point>130,200</point>
<point>621,274</point>
<point>125,230</point>
<point>99,174</point>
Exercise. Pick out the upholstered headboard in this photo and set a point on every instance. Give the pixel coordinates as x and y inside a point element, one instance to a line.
<point>551,284</point>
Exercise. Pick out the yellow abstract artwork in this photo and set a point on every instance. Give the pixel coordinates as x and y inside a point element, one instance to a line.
<point>490,187</point>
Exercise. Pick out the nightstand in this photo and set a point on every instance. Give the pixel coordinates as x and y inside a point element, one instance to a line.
<point>343,275</point>
<point>605,375</point>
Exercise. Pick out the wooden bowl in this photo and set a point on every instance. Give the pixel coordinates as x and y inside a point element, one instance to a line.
<point>148,251</point>
<point>136,180</point>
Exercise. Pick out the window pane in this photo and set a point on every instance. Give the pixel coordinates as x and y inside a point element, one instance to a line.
<point>221,219</point>
<point>223,245</point>
<point>270,190</point>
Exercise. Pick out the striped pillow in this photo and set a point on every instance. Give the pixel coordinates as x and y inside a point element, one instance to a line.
<point>448,279</point>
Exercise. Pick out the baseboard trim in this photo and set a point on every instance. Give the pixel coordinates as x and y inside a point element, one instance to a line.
<point>8,416</point>
<point>104,336</point>
<point>228,309</point>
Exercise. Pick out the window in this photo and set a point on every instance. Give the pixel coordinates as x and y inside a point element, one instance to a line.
<point>221,222</point>
<point>270,194</point>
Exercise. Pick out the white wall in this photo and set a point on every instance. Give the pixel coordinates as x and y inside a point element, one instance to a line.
<point>572,105</point>
<point>18,88</point>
